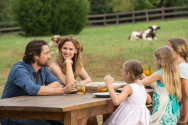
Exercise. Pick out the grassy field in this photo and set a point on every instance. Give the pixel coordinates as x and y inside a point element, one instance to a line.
<point>105,49</point>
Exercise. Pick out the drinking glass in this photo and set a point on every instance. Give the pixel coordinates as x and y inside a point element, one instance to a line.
<point>147,69</point>
<point>102,88</point>
<point>81,88</point>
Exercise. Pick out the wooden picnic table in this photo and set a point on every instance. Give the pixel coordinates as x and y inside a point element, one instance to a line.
<point>68,108</point>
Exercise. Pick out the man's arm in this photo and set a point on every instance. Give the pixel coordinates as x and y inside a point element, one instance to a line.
<point>54,85</point>
<point>46,90</point>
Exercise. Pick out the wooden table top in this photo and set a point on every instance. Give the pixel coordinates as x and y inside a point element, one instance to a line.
<point>58,103</point>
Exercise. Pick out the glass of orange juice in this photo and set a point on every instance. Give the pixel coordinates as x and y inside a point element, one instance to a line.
<point>147,69</point>
<point>81,88</point>
<point>102,88</point>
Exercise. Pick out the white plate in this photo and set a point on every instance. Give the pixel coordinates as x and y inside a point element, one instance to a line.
<point>103,94</point>
<point>119,89</point>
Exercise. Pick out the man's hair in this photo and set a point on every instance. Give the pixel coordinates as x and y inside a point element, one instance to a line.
<point>33,48</point>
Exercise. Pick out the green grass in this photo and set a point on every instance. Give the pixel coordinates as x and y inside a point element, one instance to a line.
<point>107,42</point>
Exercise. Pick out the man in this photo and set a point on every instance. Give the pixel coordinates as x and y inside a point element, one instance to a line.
<point>29,76</point>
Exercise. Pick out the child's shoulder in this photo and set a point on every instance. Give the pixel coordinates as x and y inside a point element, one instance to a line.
<point>183,66</point>
<point>159,72</point>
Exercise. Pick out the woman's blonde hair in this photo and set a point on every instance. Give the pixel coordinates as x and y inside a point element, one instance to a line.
<point>180,46</point>
<point>169,69</point>
<point>77,59</point>
<point>135,69</point>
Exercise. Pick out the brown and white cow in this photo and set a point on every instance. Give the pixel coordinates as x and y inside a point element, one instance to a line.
<point>54,43</point>
<point>148,34</point>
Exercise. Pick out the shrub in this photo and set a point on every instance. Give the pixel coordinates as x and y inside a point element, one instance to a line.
<point>49,17</point>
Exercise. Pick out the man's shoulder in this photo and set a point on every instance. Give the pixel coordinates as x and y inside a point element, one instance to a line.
<point>19,66</point>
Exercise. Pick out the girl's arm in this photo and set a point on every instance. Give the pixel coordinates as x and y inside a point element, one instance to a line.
<point>84,76</point>
<point>148,100</point>
<point>150,80</point>
<point>57,72</point>
<point>184,83</point>
<point>127,91</point>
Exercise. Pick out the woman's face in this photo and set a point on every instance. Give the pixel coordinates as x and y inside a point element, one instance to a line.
<point>156,62</point>
<point>68,50</point>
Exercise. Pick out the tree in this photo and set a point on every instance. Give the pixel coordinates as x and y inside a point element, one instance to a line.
<point>49,17</point>
<point>120,5</point>
<point>144,4</point>
<point>6,12</point>
<point>99,7</point>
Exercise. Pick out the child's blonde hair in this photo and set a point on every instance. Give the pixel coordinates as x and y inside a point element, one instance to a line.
<point>135,69</point>
<point>169,69</point>
<point>180,46</point>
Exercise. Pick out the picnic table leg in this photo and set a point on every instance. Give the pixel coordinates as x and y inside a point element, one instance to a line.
<point>70,118</point>
<point>106,116</point>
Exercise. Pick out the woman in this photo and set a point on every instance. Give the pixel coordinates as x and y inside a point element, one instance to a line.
<point>68,65</point>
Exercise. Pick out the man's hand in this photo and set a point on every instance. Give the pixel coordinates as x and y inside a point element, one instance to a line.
<point>70,87</point>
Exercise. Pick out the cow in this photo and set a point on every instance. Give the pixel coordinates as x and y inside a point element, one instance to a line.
<point>148,34</point>
<point>54,43</point>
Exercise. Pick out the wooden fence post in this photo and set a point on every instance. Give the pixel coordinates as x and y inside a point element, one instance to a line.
<point>104,19</point>
<point>117,19</point>
<point>147,18</point>
<point>162,13</point>
<point>0,29</point>
<point>133,16</point>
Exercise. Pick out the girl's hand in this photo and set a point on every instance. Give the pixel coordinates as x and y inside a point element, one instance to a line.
<point>182,121</point>
<point>68,61</point>
<point>108,79</point>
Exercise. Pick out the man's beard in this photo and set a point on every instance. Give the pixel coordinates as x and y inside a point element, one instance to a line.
<point>42,65</point>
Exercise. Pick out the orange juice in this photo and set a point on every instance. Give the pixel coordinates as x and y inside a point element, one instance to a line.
<point>147,69</point>
<point>147,73</point>
<point>102,88</point>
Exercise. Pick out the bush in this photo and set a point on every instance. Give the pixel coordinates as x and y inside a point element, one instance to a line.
<point>49,17</point>
<point>6,12</point>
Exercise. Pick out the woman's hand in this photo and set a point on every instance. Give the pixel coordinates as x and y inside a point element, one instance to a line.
<point>108,80</point>
<point>68,61</point>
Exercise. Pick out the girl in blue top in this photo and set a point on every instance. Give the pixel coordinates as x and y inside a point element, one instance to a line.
<point>167,90</point>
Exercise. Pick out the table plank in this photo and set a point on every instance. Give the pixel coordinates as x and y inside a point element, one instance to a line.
<point>61,103</point>
<point>32,115</point>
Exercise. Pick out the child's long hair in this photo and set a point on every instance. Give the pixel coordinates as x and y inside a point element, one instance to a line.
<point>77,59</point>
<point>180,46</point>
<point>169,69</point>
<point>135,69</point>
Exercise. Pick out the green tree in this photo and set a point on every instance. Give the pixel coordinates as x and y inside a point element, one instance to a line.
<point>99,7</point>
<point>120,5</point>
<point>144,4</point>
<point>175,2</point>
<point>6,12</point>
<point>49,17</point>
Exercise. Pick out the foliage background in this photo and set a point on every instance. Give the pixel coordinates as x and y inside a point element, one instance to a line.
<point>40,18</point>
